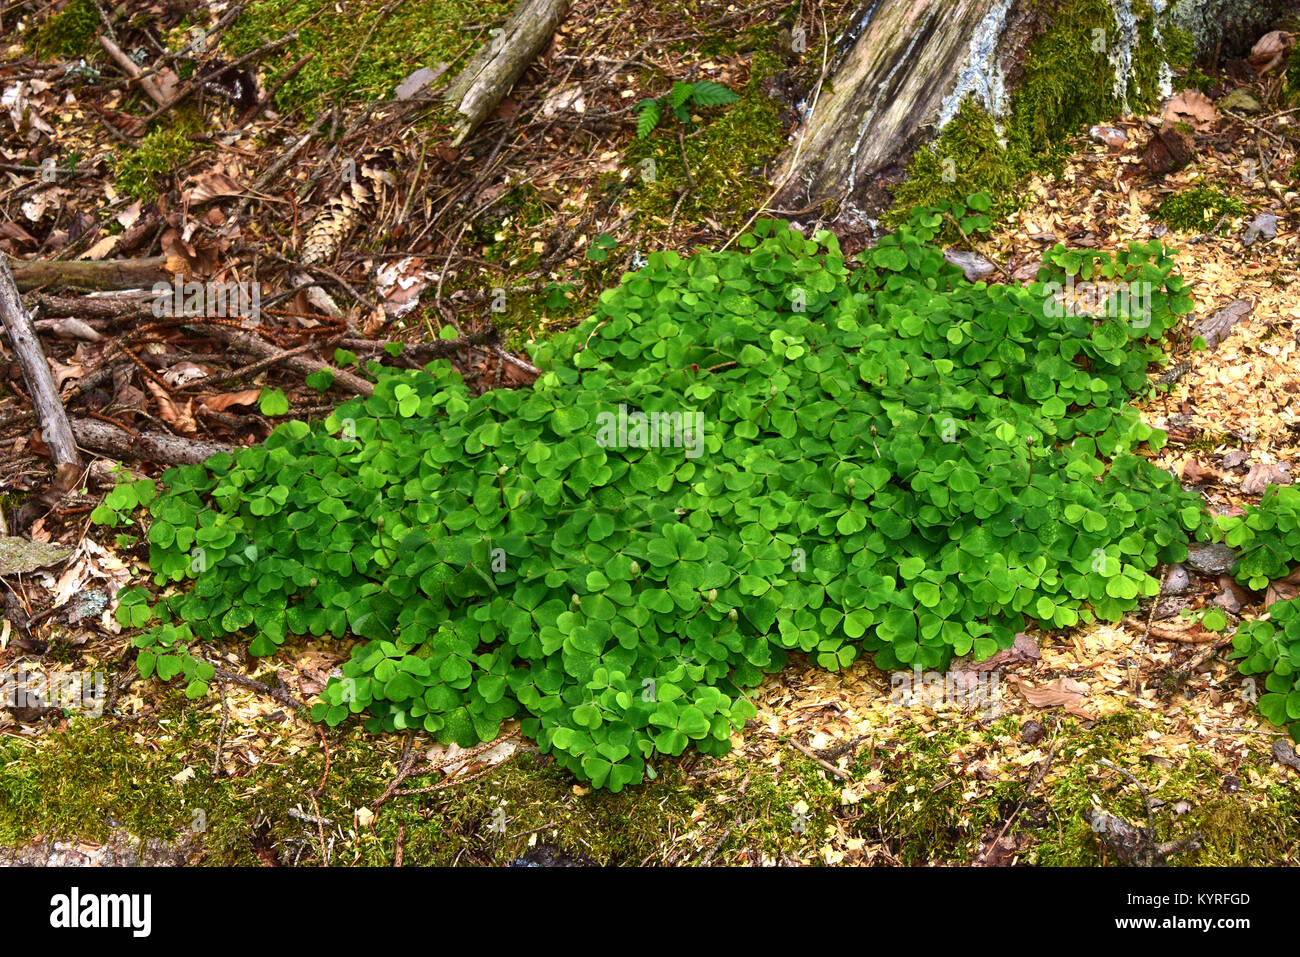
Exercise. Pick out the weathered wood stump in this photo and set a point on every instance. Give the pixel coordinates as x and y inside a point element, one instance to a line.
<point>904,68</point>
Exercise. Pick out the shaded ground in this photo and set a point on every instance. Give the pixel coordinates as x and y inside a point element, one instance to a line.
<point>832,770</point>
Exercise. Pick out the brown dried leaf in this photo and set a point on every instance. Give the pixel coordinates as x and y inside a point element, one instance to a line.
<point>62,373</point>
<point>1192,107</point>
<point>1194,473</point>
<point>1063,692</point>
<point>1283,589</point>
<point>219,403</point>
<point>1261,476</point>
<point>180,418</point>
<point>1270,50</point>
<point>210,185</point>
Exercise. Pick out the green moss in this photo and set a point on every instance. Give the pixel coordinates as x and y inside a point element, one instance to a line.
<point>349,61</point>
<point>1064,837</point>
<point>68,33</point>
<point>159,154</point>
<point>1211,441</point>
<point>79,782</point>
<point>966,158</point>
<point>920,816</point>
<point>1237,831</point>
<point>154,779</point>
<point>1199,209</point>
<point>727,43</point>
<point>721,172</point>
<point>1194,80</point>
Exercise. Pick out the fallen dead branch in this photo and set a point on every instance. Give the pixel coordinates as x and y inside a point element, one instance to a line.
<point>281,694</point>
<point>1132,844</point>
<point>159,447</point>
<point>1190,634</point>
<point>826,765</point>
<point>109,307</point>
<point>150,84</point>
<point>1216,328</point>
<point>246,342</point>
<point>243,372</point>
<point>446,348</point>
<point>36,372</point>
<point>92,274</point>
<point>491,74</point>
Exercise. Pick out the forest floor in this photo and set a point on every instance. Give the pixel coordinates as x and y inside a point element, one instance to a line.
<point>551,201</point>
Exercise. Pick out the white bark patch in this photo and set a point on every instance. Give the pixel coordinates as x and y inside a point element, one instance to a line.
<point>1121,52</point>
<point>982,75</point>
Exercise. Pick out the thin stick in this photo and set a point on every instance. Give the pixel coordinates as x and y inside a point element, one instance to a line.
<point>1042,773</point>
<point>825,764</point>
<point>268,97</point>
<point>149,84</point>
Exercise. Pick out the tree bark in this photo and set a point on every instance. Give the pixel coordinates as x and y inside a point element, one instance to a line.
<point>886,91</point>
<point>489,76</point>
<point>36,372</point>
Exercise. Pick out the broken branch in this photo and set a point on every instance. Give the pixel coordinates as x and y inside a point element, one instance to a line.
<point>36,372</point>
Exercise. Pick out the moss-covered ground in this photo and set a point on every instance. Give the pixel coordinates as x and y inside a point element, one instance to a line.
<point>912,795</point>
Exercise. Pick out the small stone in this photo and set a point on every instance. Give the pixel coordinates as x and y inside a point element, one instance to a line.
<point>1031,732</point>
<point>1171,606</point>
<point>1243,101</point>
<point>1177,580</point>
<point>1261,477</point>
<point>1234,458</point>
<point>1108,135</point>
<point>1027,273</point>
<point>1231,784</point>
<point>1265,224</point>
<point>1169,149</point>
<point>975,266</point>
<point>1227,600</point>
<point>417,81</point>
<point>1284,753</point>
<point>1213,559</point>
